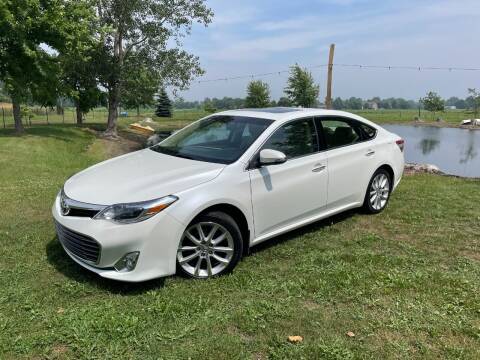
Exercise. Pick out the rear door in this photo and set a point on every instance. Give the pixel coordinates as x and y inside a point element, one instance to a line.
<point>284,194</point>
<point>351,158</point>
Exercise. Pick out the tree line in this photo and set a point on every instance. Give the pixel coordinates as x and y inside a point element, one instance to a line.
<point>300,90</point>
<point>96,52</point>
<point>258,96</point>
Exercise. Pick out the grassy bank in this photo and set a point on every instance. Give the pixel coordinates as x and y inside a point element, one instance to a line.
<point>405,282</point>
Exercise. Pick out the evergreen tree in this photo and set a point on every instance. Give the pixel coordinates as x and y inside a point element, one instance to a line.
<point>258,95</point>
<point>164,105</point>
<point>301,89</point>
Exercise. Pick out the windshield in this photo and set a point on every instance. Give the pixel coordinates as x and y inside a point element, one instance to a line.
<point>221,139</point>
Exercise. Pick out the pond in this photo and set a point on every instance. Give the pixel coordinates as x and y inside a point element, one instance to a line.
<point>455,151</point>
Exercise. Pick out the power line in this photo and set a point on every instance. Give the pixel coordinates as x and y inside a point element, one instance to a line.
<point>358,66</point>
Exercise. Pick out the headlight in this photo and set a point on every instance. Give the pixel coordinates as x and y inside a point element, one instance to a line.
<point>135,212</point>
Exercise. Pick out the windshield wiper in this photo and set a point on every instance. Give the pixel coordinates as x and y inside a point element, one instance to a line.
<point>184,156</point>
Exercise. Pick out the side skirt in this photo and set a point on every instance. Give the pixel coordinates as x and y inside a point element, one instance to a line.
<point>304,222</point>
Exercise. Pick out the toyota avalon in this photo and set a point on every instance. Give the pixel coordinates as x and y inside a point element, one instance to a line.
<point>196,202</point>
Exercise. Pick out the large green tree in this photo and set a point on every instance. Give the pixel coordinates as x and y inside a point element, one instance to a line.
<point>32,33</point>
<point>258,94</point>
<point>433,102</point>
<point>139,89</point>
<point>474,101</point>
<point>146,33</point>
<point>78,66</point>
<point>301,89</point>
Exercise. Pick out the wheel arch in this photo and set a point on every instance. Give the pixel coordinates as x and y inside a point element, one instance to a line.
<point>236,214</point>
<point>389,170</point>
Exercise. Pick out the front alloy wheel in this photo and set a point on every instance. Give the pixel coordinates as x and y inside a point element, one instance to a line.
<point>210,246</point>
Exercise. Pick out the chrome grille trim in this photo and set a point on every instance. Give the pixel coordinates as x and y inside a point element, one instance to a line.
<point>78,209</point>
<point>81,246</point>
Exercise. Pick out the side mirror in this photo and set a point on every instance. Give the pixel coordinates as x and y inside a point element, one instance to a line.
<point>271,157</point>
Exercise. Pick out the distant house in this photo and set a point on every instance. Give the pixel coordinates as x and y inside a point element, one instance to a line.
<point>450,107</point>
<point>372,105</point>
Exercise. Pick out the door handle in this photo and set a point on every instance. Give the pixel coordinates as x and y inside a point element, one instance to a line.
<point>318,167</point>
<point>370,153</point>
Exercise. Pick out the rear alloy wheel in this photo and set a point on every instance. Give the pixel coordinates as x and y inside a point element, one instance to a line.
<point>378,192</point>
<point>210,246</point>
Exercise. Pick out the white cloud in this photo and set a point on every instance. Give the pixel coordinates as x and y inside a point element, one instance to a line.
<point>431,32</point>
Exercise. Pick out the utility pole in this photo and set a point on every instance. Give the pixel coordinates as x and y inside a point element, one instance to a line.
<point>328,98</point>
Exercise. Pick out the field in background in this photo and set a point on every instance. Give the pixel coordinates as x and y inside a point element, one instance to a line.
<point>184,117</point>
<point>405,282</point>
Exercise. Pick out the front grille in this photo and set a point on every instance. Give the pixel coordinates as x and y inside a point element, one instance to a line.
<point>82,246</point>
<point>82,212</point>
<point>70,207</point>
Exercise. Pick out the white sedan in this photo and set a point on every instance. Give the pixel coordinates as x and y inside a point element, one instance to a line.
<point>197,201</point>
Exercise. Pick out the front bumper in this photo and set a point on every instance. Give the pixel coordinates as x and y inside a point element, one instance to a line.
<point>156,239</point>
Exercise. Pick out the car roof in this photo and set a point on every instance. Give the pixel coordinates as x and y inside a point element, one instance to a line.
<point>289,113</point>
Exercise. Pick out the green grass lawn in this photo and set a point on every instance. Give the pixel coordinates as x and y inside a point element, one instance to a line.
<point>406,282</point>
<point>182,118</point>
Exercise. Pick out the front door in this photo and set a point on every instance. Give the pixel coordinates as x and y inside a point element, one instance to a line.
<point>287,193</point>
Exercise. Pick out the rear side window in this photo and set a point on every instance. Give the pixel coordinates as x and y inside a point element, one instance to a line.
<point>338,132</point>
<point>368,132</point>
<point>294,139</point>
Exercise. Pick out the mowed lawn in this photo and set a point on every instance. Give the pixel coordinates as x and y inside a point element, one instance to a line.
<point>406,282</point>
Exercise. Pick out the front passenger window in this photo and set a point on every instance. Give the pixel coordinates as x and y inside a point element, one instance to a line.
<point>294,139</point>
<point>339,133</point>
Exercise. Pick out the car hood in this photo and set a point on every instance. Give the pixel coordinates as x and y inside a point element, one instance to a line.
<point>138,176</point>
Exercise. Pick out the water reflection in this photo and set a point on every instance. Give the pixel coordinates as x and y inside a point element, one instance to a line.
<point>454,151</point>
<point>470,153</point>
<point>428,145</point>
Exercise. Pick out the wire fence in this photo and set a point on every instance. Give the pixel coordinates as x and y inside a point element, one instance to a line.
<point>33,116</point>
<point>181,118</point>
<point>37,116</point>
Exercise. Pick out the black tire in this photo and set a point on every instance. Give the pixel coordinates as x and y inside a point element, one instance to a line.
<point>373,208</point>
<point>224,222</point>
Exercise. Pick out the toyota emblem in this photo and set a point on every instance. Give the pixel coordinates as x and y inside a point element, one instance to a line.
<point>64,206</point>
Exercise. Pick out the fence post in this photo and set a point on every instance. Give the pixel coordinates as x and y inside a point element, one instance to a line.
<point>63,115</point>
<point>46,113</point>
<point>3,116</point>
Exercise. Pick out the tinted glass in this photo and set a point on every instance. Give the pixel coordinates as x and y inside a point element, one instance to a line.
<point>294,139</point>
<point>221,139</point>
<point>338,132</point>
<point>367,131</point>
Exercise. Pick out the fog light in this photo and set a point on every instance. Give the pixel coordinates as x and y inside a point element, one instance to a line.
<point>128,262</point>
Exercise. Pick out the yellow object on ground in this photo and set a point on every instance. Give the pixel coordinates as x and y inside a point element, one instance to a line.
<point>147,130</point>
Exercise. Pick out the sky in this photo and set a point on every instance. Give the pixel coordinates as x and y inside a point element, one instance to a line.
<point>252,37</point>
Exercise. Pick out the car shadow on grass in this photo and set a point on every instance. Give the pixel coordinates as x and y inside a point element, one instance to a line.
<point>61,261</point>
<point>57,257</point>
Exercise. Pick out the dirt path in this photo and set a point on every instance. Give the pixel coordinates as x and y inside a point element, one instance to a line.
<point>125,143</point>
